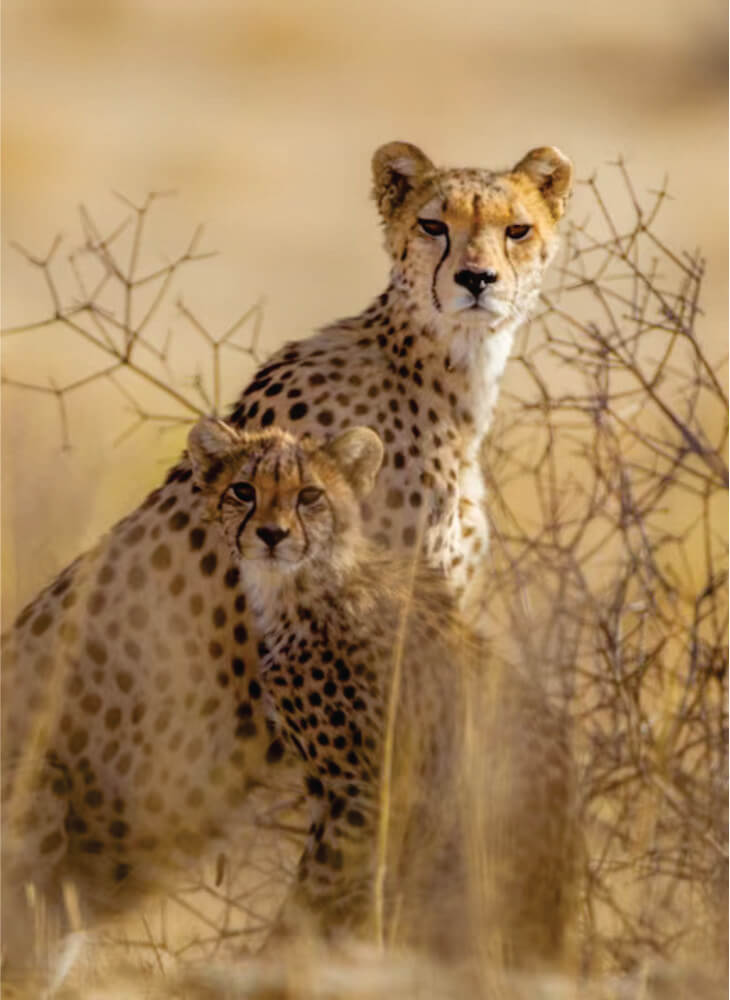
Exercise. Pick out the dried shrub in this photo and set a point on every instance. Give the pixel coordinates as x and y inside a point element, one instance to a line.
<point>608,484</point>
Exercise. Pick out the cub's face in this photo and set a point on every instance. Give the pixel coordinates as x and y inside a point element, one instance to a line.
<point>284,503</point>
<point>470,246</point>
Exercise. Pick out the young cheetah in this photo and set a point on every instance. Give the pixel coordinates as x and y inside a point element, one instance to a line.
<point>361,652</point>
<point>120,678</point>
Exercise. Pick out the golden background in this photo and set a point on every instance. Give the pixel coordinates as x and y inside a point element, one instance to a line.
<point>263,118</point>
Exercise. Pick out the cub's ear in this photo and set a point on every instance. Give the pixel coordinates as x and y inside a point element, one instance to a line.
<point>210,442</point>
<point>358,454</point>
<point>552,174</point>
<point>397,169</point>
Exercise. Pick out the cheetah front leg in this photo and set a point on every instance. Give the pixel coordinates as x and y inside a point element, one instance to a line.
<point>334,881</point>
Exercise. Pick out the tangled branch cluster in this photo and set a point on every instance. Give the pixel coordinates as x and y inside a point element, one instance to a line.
<point>608,499</point>
<point>120,316</point>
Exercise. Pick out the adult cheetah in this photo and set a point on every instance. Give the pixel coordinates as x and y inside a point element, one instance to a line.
<point>467,816</point>
<point>131,694</point>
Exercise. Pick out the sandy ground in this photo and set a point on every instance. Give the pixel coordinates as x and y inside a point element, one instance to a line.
<point>263,117</point>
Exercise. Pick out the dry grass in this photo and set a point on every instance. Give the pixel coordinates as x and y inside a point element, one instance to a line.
<point>608,481</point>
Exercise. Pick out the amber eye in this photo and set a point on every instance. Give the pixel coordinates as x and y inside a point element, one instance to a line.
<point>433,227</point>
<point>244,492</point>
<point>517,232</point>
<point>309,495</point>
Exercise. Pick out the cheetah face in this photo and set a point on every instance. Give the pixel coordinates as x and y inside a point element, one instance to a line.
<point>284,503</point>
<point>470,247</point>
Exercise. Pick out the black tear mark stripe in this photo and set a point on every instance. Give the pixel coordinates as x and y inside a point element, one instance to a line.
<point>303,526</point>
<point>444,255</point>
<point>242,526</point>
<point>515,275</point>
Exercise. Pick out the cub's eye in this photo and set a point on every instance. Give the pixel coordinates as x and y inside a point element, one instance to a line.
<point>518,232</point>
<point>244,492</point>
<point>433,227</point>
<point>309,495</point>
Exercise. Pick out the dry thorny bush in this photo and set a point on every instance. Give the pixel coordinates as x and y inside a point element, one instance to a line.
<point>608,487</point>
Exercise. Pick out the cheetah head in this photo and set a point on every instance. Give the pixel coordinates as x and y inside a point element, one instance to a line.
<point>282,502</point>
<point>470,246</point>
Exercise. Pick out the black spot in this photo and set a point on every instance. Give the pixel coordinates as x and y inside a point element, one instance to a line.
<point>179,520</point>
<point>246,730</point>
<point>161,557</point>
<point>256,386</point>
<point>92,846</point>
<point>298,411</point>
<point>97,651</point>
<point>268,417</point>
<point>315,786</point>
<point>197,538</point>
<point>239,633</point>
<point>322,854</point>
<point>121,871</point>
<point>275,752</point>
<point>208,563</point>
<point>40,624</point>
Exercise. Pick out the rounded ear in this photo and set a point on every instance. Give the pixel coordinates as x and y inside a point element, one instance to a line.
<point>209,442</point>
<point>552,174</point>
<point>358,454</point>
<point>397,169</point>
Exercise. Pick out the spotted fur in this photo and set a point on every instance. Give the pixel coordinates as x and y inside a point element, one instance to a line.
<point>131,691</point>
<point>351,635</point>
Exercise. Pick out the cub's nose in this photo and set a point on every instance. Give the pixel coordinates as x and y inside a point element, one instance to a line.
<point>475,281</point>
<point>271,536</point>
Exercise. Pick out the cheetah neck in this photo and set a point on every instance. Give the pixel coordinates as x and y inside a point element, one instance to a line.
<point>342,586</point>
<point>466,361</point>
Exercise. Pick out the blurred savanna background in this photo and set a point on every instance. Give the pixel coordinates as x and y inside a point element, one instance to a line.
<point>262,118</point>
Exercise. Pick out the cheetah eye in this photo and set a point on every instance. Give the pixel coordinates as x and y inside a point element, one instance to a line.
<point>433,227</point>
<point>517,232</point>
<point>244,492</point>
<point>309,495</point>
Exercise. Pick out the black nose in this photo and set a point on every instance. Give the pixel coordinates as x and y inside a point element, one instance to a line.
<point>271,536</point>
<point>475,281</point>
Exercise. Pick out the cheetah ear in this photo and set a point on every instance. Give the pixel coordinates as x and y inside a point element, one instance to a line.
<point>358,454</point>
<point>210,442</point>
<point>552,174</point>
<point>397,169</point>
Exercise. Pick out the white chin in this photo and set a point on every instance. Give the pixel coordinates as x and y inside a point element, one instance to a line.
<point>491,318</point>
